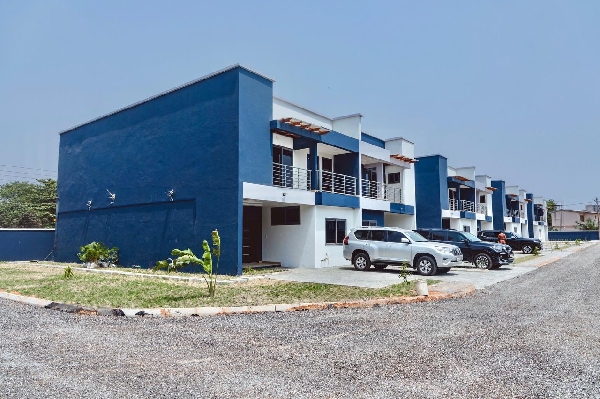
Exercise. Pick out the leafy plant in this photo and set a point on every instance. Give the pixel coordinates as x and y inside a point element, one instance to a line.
<point>536,251</point>
<point>578,241</point>
<point>68,273</point>
<point>187,257</point>
<point>404,272</point>
<point>96,252</point>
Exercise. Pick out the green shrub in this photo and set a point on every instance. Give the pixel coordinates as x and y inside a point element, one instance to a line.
<point>96,252</point>
<point>68,273</point>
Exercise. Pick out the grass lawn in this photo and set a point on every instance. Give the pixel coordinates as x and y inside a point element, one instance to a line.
<point>121,291</point>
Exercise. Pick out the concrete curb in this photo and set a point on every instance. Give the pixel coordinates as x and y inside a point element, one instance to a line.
<point>459,291</point>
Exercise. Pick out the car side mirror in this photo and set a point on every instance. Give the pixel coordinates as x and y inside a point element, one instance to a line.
<point>405,241</point>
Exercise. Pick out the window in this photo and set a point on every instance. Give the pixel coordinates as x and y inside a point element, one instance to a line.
<point>367,223</point>
<point>287,215</point>
<point>482,199</point>
<point>515,229</point>
<point>335,231</point>
<point>581,218</point>
<point>455,236</point>
<point>467,229</point>
<point>393,178</point>
<point>361,234</point>
<point>395,236</point>
<point>377,235</point>
<point>438,235</point>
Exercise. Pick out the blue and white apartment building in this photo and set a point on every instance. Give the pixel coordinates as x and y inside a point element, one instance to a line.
<point>451,198</point>
<point>281,183</point>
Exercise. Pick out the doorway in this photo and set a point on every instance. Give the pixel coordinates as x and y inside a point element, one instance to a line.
<point>252,234</point>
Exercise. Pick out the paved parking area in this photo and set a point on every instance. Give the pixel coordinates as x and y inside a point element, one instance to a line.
<point>347,275</point>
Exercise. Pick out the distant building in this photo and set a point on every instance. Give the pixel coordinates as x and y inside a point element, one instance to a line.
<point>566,219</point>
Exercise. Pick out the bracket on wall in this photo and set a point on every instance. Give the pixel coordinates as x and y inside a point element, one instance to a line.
<point>111,197</point>
<point>170,194</point>
<point>89,205</point>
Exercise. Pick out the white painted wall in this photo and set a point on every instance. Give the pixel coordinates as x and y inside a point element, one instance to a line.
<point>468,172</point>
<point>397,220</point>
<point>407,148</point>
<point>348,125</point>
<point>333,252</point>
<point>486,181</point>
<point>374,152</point>
<point>293,246</point>
<point>286,109</point>
<point>259,192</point>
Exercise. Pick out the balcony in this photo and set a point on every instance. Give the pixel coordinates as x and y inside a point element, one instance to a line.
<point>381,191</point>
<point>453,204</point>
<point>467,206</point>
<point>481,208</point>
<point>291,177</point>
<point>336,183</point>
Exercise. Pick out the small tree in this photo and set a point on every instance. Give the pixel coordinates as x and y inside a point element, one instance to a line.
<point>589,224</point>
<point>187,257</point>
<point>550,207</point>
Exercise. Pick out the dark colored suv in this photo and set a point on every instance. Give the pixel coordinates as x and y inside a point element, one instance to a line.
<point>516,242</point>
<point>484,255</point>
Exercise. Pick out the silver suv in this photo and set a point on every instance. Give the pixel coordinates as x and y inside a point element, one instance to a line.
<point>382,246</point>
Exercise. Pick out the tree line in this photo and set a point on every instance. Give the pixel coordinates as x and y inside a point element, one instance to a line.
<point>28,205</point>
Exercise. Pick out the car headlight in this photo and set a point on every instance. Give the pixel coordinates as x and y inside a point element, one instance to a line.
<point>498,248</point>
<point>443,250</point>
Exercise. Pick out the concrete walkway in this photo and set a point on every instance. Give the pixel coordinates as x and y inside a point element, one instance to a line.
<point>347,275</point>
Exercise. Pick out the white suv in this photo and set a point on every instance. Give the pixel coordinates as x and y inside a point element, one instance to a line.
<point>382,246</point>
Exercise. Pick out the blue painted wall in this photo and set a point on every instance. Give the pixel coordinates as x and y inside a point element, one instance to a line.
<point>431,190</point>
<point>201,140</point>
<point>499,203</point>
<point>26,244</point>
<point>572,235</point>
<point>368,214</point>
<point>530,215</point>
<point>332,199</point>
<point>367,138</point>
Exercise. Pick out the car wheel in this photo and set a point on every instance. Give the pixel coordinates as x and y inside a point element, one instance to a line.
<point>426,265</point>
<point>483,261</point>
<point>443,270</point>
<point>380,266</point>
<point>527,249</point>
<point>361,261</point>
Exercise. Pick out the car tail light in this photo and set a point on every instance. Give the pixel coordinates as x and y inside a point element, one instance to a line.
<point>346,240</point>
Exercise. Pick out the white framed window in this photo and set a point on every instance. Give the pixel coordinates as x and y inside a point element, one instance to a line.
<point>335,231</point>
<point>368,223</point>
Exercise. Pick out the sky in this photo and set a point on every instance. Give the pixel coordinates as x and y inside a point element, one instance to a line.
<point>511,87</point>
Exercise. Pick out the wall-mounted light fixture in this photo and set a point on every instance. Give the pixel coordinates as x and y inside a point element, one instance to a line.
<point>171,194</point>
<point>89,205</point>
<point>111,197</point>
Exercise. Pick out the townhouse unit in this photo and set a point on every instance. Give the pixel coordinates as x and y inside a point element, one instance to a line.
<point>281,183</point>
<point>537,217</point>
<point>451,198</point>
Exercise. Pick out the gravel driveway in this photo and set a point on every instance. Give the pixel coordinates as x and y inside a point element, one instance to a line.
<point>537,335</point>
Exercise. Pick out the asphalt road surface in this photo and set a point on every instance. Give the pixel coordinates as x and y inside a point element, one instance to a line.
<point>537,335</point>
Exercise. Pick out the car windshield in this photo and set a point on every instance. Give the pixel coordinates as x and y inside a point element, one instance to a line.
<point>470,237</point>
<point>416,237</point>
